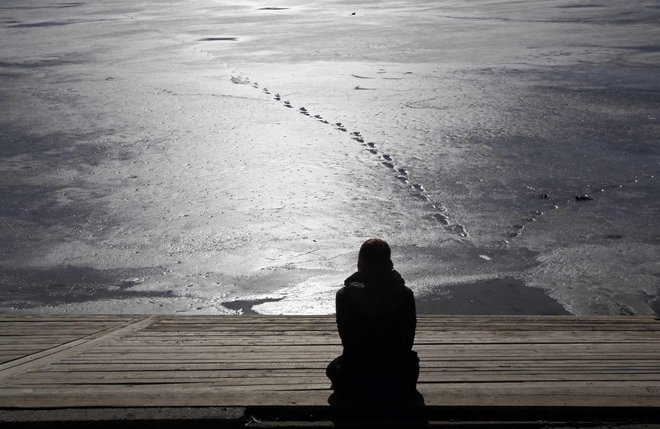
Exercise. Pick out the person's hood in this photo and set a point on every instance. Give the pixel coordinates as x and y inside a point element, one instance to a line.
<point>379,278</point>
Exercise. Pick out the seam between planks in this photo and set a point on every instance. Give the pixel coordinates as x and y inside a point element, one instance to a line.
<point>45,357</point>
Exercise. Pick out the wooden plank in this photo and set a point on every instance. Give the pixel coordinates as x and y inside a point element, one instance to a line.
<point>255,360</point>
<point>53,354</point>
<point>303,377</point>
<point>591,394</point>
<point>228,364</point>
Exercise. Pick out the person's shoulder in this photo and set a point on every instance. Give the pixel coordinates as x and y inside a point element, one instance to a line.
<point>355,280</point>
<point>396,278</point>
<point>351,282</point>
<point>401,284</point>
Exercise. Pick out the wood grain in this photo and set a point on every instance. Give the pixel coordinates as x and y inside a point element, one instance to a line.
<point>119,361</point>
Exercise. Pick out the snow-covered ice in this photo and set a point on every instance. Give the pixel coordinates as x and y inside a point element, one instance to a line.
<point>224,157</point>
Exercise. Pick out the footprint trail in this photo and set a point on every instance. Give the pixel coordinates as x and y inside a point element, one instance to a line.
<point>558,199</point>
<point>549,201</point>
<point>438,213</point>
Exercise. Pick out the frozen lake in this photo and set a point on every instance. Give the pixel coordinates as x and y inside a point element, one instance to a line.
<point>230,157</point>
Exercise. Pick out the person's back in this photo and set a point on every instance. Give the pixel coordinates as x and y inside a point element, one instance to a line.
<point>376,321</point>
<point>376,316</point>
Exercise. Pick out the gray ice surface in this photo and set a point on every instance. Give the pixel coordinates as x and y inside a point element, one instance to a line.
<point>222,157</point>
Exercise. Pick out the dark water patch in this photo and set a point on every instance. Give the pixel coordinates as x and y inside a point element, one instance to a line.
<point>36,218</point>
<point>28,288</point>
<point>64,148</point>
<point>9,75</point>
<point>579,6</point>
<point>2,7</point>
<point>244,306</point>
<point>218,39</point>
<point>626,17</point>
<point>652,239</point>
<point>37,204</point>
<point>36,209</point>
<point>42,62</point>
<point>649,49</point>
<point>54,6</point>
<point>507,296</point>
<point>41,24</point>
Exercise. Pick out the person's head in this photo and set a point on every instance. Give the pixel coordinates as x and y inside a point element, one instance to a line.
<point>374,256</point>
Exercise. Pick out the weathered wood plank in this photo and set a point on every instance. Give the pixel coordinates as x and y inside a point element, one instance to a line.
<point>274,360</point>
<point>45,357</point>
<point>222,364</point>
<point>277,376</point>
<point>591,394</point>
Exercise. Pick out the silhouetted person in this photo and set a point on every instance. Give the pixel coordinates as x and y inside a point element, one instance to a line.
<point>376,321</point>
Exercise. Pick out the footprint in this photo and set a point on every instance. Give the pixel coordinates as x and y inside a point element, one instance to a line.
<point>418,186</point>
<point>440,218</point>
<point>287,103</point>
<point>266,91</point>
<point>238,80</point>
<point>358,139</point>
<point>517,230</point>
<point>373,150</point>
<point>277,97</point>
<point>304,111</point>
<point>371,144</point>
<point>387,157</point>
<point>458,229</point>
<point>388,164</point>
<point>318,116</point>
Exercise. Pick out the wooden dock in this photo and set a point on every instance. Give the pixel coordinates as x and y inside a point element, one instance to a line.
<point>609,366</point>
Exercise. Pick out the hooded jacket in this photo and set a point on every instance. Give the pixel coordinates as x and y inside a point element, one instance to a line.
<point>376,317</point>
